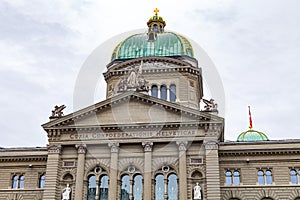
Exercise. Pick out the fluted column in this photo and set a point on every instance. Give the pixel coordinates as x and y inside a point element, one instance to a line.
<point>113,171</point>
<point>182,170</point>
<point>212,170</point>
<point>51,190</point>
<point>147,170</point>
<point>81,149</point>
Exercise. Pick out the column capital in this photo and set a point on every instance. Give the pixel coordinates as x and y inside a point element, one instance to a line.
<point>81,148</point>
<point>54,148</point>
<point>182,145</point>
<point>114,147</point>
<point>147,146</point>
<point>211,145</point>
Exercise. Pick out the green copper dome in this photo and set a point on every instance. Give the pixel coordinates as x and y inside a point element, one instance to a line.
<point>165,44</point>
<point>252,136</point>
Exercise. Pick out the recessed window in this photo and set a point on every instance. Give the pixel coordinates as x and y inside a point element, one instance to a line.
<point>18,181</point>
<point>154,91</point>
<point>42,181</point>
<point>163,92</point>
<point>232,177</point>
<point>264,177</point>
<point>172,93</point>
<point>295,176</point>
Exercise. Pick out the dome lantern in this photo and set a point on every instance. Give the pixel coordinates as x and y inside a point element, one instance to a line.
<point>156,25</point>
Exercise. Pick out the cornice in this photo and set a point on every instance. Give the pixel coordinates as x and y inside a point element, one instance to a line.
<point>23,158</point>
<point>268,152</point>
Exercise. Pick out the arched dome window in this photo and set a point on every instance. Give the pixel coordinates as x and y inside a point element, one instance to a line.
<point>15,180</point>
<point>163,92</point>
<point>228,175</point>
<point>21,182</point>
<point>293,176</point>
<point>154,91</point>
<point>172,93</point>
<point>42,181</point>
<point>260,177</point>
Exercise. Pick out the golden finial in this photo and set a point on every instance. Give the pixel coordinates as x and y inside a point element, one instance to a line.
<point>156,11</point>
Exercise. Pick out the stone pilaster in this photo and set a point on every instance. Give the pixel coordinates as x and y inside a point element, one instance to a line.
<point>212,170</point>
<point>51,190</point>
<point>182,170</point>
<point>147,170</point>
<point>81,149</point>
<point>113,171</point>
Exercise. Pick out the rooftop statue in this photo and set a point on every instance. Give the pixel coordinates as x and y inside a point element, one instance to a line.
<point>57,112</point>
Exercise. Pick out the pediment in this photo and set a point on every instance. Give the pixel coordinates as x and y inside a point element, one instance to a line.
<point>133,109</point>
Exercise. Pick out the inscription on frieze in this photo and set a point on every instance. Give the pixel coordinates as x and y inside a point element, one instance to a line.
<point>135,134</point>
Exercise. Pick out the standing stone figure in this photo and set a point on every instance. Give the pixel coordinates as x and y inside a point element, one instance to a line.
<point>66,193</point>
<point>197,191</point>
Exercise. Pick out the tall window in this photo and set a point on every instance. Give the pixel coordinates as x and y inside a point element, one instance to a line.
<point>172,187</point>
<point>163,92</point>
<point>125,187</point>
<point>159,187</point>
<point>232,177</point>
<point>91,195</point>
<point>173,93</point>
<point>138,187</point>
<point>103,187</point>
<point>264,177</point>
<point>154,91</point>
<point>42,181</point>
<point>18,181</point>
<point>295,176</point>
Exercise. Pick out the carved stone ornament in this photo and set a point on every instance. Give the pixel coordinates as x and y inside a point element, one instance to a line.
<point>182,145</point>
<point>81,148</point>
<point>210,105</point>
<point>147,146</point>
<point>114,147</point>
<point>211,145</point>
<point>54,149</point>
<point>135,80</point>
<point>57,112</point>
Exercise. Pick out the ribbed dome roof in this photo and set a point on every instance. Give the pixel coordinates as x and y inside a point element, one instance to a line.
<point>252,136</point>
<point>165,44</point>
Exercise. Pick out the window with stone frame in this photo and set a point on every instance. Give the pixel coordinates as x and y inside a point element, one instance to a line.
<point>294,176</point>
<point>18,181</point>
<point>42,178</point>
<point>232,177</point>
<point>264,177</point>
<point>97,184</point>
<point>131,184</point>
<point>166,178</point>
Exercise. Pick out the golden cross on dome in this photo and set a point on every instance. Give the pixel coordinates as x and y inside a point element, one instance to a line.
<point>156,11</point>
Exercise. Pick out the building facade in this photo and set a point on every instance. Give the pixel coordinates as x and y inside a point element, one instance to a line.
<point>149,139</point>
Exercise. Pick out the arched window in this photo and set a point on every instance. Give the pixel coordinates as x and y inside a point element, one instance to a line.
<point>163,92</point>
<point>159,187</point>
<point>236,177</point>
<point>260,177</point>
<point>125,187</point>
<point>172,187</point>
<point>293,176</point>
<point>15,180</point>
<point>42,181</point>
<point>21,181</point>
<point>103,193</point>
<point>138,187</point>
<point>91,195</point>
<point>154,91</point>
<point>173,93</point>
<point>228,178</point>
<point>269,179</point>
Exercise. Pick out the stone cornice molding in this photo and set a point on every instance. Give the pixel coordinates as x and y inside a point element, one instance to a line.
<point>147,146</point>
<point>182,145</point>
<point>54,149</point>
<point>81,148</point>
<point>114,147</point>
<point>258,153</point>
<point>23,158</point>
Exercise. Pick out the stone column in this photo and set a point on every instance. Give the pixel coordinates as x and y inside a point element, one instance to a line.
<point>182,170</point>
<point>51,190</point>
<point>147,170</point>
<point>81,149</point>
<point>212,170</point>
<point>113,171</point>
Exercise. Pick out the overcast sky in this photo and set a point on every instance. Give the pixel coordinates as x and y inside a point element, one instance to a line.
<point>255,45</point>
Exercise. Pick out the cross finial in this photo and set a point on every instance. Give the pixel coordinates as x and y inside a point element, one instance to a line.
<point>156,11</point>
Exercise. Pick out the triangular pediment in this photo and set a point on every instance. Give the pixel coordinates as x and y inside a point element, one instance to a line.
<point>132,109</point>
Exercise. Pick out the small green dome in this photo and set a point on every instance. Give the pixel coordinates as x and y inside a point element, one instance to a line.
<point>165,44</point>
<point>252,136</point>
